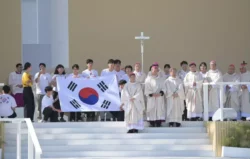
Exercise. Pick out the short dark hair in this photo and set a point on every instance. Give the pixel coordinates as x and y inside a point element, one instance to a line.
<point>19,64</point>
<point>56,69</point>
<point>122,82</point>
<point>128,66</point>
<point>167,66</point>
<point>117,61</point>
<point>48,89</point>
<point>204,64</point>
<point>89,61</point>
<point>75,66</point>
<point>27,65</point>
<point>150,67</point>
<point>184,63</point>
<point>6,89</point>
<point>42,64</point>
<point>111,61</point>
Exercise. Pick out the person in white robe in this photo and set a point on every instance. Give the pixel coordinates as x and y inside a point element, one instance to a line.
<point>15,82</point>
<point>166,70</point>
<point>184,70</point>
<point>90,72</point>
<point>160,72</point>
<point>154,91</point>
<point>118,71</point>
<point>203,70</point>
<point>128,70</point>
<point>232,92</point>
<point>175,99</point>
<point>193,88</point>
<point>140,76</point>
<point>132,97</point>
<point>245,92</point>
<point>213,76</point>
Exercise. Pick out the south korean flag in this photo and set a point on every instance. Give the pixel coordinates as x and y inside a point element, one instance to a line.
<point>95,94</point>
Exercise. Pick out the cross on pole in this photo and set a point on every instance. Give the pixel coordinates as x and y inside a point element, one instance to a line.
<point>142,38</point>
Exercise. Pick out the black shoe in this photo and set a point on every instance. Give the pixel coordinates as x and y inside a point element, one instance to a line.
<point>152,123</point>
<point>130,131</point>
<point>62,120</point>
<point>178,124</point>
<point>158,123</point>
<point>135,131</point>
<point>171,124</point>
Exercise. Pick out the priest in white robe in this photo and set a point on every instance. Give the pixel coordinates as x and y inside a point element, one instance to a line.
<point>160,72</point>
<point>193,87</point>
<point>133,105</point>
<point>245,92</point>
<point>232,92</point>
<point>175,99</point>
<point>15,82</point>
<point>213,76</point>
<point>155,90</point>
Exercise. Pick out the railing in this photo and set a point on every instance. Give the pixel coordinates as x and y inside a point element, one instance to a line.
<point>221,96</point>
<point>32,138</point>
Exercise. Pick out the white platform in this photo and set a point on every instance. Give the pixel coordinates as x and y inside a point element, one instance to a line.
<point>109,140</point>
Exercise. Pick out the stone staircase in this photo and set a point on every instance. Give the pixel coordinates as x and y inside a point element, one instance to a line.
<point>109,140</point>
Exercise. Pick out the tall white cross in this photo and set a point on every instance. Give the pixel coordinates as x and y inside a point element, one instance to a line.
<point>142,38</point>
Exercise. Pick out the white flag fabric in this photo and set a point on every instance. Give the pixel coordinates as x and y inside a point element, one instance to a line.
<point>81,94</point>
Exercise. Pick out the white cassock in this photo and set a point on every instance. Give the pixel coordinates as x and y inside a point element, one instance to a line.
<point>193,94</point>
<point>245,96</point>
<point>213,76</point>
<point>133,110</point>
<point>175,106</point>
<point>182,74</point>
<point>155,105</point>
<point>232,95</point>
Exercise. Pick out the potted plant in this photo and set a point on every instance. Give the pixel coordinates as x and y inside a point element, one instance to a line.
<point>236,142</point>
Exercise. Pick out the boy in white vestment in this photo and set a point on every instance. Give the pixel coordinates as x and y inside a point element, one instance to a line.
<point>184,70</point>
<point>232,91</point>
<point>245,92</point>
<point>140,76</point>
<point>132,97</point>
<point>155,90</point>
<point>203,70</point>
<point>213,76</point>
<point>193,87</point>
<point>175,99</point>
<point>166,71</point>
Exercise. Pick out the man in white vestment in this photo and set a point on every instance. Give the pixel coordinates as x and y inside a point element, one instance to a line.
<point>155,90</point>
<point>15,82</point>
<point>184,70</point>
<point>232,92</point>
<point>132,97</point>
<point>118,71</point>
<point>245,92</point>
<point>213,76</point>
<point>166,70</point>
<point>139,74</point>
<point>160,72</point>
<point>193,87</point>
<point>175,99</point>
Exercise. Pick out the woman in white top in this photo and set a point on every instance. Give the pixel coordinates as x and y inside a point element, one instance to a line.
<point>203,70</point>
<point>59,72</point>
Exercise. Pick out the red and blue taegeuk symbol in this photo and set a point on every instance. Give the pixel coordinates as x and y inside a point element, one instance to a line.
<point>88,96</point>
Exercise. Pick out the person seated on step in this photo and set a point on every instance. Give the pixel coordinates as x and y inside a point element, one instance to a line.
<point>7,103</point>
<point>48,109</point>
<point>133,99</point>
<point>175,99</point>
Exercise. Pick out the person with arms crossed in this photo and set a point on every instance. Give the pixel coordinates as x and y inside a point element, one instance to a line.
<point>7,103</point>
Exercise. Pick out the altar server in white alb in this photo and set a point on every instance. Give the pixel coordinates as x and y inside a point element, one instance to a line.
<point>15,82</point>
<point>213,76</point>
<point>245,92</point>
<point>155,90</point>
<point>232,92</point>
<point>132,97</point>
<point>193,86</point>
<point>139,74</point>
<point>175,99</point>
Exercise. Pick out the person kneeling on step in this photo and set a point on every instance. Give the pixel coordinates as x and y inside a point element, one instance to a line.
<point>7,103</point>
<point>48,109</point>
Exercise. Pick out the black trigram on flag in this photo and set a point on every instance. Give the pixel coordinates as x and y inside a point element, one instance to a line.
<point>72,86</point>
<point>105,104</point>
<point>75,104</point>
<point>102,86</point>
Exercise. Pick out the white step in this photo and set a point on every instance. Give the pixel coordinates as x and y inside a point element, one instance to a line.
<point>107,147</point>
<point>117,142</point>
<point>145,158</point>
<point>182,153</point>
<point>72,136</point>
<point>110,130</point>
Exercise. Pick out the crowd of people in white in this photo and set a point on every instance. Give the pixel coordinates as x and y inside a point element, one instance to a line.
<point>162,94</point>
